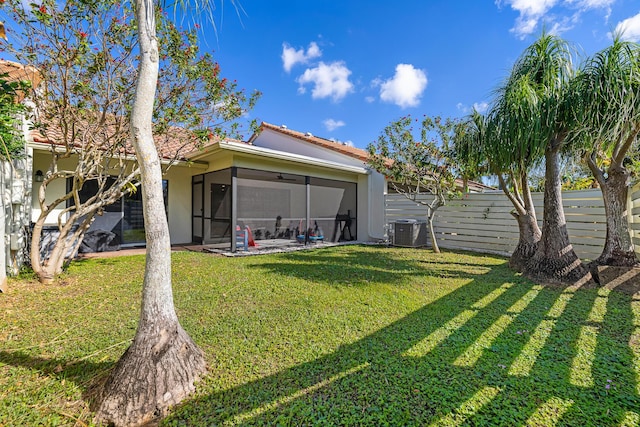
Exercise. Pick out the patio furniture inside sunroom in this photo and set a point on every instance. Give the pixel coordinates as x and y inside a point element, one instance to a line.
<point>273,209</point>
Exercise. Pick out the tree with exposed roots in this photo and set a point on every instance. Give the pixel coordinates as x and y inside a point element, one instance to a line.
<point>162,364</point>
<point>543,75</point>
<point>82,113</point>
<point>502,145</point>
<point>419,169</point>
<point>607,91</point>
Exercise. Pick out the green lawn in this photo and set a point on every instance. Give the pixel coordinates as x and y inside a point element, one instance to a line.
<point>351,335</point>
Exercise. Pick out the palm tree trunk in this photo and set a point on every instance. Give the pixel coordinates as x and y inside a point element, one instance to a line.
<point>554,260</point>
<point>618,248</point>
<point>160,367</point>
<point>528,239</point>
<point>525,214</point>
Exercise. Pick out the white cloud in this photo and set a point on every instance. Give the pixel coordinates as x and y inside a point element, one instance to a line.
<point>332,125</point>
<point>405,88</point>
<point>530,13</point>
<point>291,56</point>
<point>329,80</point>
<point>630,28</point>
<point>533,12</point>
<point>370,99</point>
<point>481,107</point>
<point>592,4</point>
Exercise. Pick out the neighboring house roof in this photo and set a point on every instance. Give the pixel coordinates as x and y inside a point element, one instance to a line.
<point>347,150</point>
<point>175,144</point>
<point>338,147</point>
<point>18,72</point>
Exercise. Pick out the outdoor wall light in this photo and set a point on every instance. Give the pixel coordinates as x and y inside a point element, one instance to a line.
<point>39,176</point>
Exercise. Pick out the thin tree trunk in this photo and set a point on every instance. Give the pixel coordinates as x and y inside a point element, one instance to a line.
<point>160,367</point>
<point>432,234</point>
<point>43,274</point>
<point>618,248</point>
<point>555,260</point>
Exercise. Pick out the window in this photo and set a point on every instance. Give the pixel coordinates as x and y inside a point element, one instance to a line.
<point>123,218</point>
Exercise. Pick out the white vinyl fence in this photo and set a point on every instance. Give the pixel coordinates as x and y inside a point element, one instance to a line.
<point>634,216</point>
<point>482,221</point>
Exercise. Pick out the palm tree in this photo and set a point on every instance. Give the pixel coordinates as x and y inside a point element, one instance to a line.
<point>498,143</point>
<point>160,367</point>
<point>543,75</point>
<point>608,92</point>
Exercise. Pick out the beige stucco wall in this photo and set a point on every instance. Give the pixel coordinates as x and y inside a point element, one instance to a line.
<point>178,176</point>
<point>370,192</point>
<point>372,199</point>
<point>55,189</point>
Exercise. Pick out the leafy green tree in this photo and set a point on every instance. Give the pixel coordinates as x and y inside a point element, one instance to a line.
<point>11,116</point>
<point>419,169</point>
<point>469,134</point>
<point>87,55</point>
<point>607,91</point>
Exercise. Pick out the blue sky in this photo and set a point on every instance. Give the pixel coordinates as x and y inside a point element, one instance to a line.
<point>344,70</point>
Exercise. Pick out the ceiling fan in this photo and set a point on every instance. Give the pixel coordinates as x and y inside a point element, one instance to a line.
<point>282,178</point>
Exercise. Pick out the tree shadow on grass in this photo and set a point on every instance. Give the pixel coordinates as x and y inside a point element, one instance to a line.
<point>362,267</point>
<point>491,352</point>
<point>80,372</point>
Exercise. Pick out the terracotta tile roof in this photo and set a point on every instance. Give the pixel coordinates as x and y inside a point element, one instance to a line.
<point>354,152</point>
<point>19,72</point>
<point>176,143</point>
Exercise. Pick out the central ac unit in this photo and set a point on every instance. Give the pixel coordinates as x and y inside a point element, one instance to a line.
<point>410,233</point>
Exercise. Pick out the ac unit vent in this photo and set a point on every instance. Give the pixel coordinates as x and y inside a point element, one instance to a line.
<point>410,233</point>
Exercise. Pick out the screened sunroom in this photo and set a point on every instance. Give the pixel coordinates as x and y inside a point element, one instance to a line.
<point>238,207</point>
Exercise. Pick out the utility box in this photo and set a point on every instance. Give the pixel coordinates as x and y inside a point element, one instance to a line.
<point>410,233</point>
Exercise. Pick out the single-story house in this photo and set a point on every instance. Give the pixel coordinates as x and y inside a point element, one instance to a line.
<point>280,184</point>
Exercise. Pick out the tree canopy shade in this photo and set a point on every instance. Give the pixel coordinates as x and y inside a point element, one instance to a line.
<point>87,55</point>
<point>607,95</point>
<point>417,167</point>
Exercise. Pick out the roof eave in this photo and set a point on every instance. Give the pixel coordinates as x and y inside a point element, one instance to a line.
<point>295,158</point>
